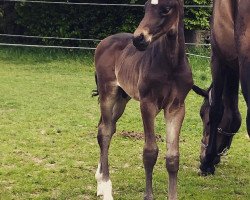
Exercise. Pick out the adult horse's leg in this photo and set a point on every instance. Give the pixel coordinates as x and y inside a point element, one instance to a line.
<point>112,106</point>
<point>243,39</point>
<point>174,115</point>
<point>150,151</point>
<point>231,118</point>
<point>245,85</point>
<point>215,114</point>
<point>232,95</point>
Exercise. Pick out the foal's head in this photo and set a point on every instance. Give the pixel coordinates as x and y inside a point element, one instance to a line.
<point>161,18</point>
<point>224,135</point>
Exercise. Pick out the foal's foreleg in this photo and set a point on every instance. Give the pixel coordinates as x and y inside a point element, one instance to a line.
<point>174,116</point>
<point>150,151</point>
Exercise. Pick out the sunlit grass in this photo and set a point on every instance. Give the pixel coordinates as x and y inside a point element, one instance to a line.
<point>48,135</point>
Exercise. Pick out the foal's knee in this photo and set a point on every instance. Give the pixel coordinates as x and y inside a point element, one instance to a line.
<point>172,163</point>
<point>150,156</point>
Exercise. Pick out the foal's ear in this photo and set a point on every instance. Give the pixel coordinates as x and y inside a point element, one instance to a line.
<point>200,91</point>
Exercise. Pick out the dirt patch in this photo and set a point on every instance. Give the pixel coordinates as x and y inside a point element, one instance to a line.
<point>138,136</point>
<point>29,156</point>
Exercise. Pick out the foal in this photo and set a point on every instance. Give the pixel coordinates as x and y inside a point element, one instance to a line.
<point>230,39</point>
<point>151,67</point>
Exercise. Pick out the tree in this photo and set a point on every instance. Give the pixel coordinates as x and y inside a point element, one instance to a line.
<point>197,18</point>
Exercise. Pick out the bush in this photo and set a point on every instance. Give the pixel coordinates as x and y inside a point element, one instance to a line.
<point>197,18</point>
<point>86,21</point>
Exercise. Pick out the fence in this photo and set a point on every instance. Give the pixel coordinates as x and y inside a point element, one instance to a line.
<point>80,39</point>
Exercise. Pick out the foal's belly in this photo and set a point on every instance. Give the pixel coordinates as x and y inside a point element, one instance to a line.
<point>223,29</point>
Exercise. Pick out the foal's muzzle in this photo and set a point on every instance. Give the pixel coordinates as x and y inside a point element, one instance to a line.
<point>140,42</point>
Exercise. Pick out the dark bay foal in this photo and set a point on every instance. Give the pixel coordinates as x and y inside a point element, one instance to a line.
<point>149,66</point>
<point>230,39</point>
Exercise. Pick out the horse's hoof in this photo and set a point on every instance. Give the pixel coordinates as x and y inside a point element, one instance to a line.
<point>206,170</point>
<point>148,197</point>
<point>203,173</point>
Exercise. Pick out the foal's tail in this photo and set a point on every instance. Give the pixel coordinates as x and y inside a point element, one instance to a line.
<point>95,92</point>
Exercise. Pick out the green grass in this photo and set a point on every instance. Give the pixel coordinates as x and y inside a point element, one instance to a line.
<point>48,135</point>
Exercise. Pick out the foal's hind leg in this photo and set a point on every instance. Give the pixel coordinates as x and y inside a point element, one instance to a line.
<point>112,107</point>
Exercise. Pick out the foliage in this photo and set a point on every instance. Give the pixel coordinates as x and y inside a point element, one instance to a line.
<point>84,21</point>
<point>77,21</point>
<point>197,18</point>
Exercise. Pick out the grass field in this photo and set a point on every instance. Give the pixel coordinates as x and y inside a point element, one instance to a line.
<point>48,136</point>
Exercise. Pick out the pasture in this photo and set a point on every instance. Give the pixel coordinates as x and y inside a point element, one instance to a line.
<point>48,128</point>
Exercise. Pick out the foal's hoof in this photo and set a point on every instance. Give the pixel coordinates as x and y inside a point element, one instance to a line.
<point>206,170</point>
<point>148,197</point>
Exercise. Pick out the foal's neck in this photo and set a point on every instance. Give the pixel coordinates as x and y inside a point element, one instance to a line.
<point>171,49</point>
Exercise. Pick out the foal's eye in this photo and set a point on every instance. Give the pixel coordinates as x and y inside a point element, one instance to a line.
<point>164,11</point>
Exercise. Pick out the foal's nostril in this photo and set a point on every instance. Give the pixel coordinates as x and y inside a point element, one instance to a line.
<point>140,43</point>
<point>141,38</point>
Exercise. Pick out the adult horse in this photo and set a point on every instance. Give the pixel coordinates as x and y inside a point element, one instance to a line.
<point>230,121</point>
<point>149,66</point>
<point>230,39</point>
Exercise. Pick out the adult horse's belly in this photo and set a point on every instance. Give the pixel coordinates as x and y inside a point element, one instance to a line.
<point>223,29</point>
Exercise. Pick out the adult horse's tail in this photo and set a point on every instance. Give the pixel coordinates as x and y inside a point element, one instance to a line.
<point>95,92</point>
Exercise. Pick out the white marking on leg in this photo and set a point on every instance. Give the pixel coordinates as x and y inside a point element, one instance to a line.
<point>98,177</point>
<point>155,2</point>
<point>104,188</point>
<point>107,190</point>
